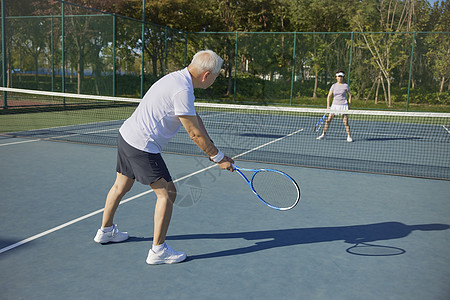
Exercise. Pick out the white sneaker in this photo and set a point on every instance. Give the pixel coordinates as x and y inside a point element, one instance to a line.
<point>114,236</point>
<point>349,139</point>
<point>321,137</point>
<point>166,256</point>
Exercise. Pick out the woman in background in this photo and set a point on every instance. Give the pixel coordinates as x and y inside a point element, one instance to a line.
<point>339,90</point>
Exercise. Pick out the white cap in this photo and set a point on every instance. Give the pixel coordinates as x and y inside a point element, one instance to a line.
<point>340,74</point>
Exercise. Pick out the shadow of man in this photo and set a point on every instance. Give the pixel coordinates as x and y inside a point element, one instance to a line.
<point>355,234</point>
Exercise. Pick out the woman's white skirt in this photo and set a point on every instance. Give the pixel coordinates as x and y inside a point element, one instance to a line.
<point>339,107</point>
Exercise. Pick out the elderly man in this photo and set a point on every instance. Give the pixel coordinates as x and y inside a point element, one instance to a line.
<point>167,105</point>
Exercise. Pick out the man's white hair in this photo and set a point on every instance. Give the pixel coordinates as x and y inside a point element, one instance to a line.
<point>207,60</point>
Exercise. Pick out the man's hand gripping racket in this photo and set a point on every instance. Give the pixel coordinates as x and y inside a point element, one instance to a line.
<point>274,188</point>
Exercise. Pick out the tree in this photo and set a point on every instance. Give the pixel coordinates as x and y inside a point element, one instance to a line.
<point>320,15</point>
<point>439,45</point>
<point>387,47</point>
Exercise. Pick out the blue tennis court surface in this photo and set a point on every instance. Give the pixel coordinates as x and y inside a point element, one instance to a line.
<point>353,235</point>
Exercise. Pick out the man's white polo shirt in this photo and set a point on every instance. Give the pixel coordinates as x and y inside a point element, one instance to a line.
<point>155,121</point>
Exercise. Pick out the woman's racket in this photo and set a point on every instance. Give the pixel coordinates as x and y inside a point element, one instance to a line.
<point>274,188</point>
<point>320,123</point>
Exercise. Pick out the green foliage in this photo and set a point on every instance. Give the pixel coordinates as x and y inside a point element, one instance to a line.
<point>434,98</point>
<point>320,15</point>
<point>267,66</point>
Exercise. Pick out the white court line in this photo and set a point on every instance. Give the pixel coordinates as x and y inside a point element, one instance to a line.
<point>448,131</point>
<point>34,237</point>
<point>271,142</point>
<point>58,137</point>
<point>44,233</point>
<point>75,134</point>
<point>21,142</point>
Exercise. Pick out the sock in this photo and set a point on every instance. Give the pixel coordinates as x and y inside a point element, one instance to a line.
<point>107,229</point>
<point>158,248</point>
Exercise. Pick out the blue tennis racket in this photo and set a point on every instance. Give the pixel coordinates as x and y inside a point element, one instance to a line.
<point>274,188</point>
<point>320,123</point>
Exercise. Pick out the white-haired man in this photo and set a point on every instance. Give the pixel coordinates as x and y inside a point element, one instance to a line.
<point>168,104</point>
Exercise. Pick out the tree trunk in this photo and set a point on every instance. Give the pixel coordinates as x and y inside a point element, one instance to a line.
<point>80,69</point>
<point>384,89</point>
<point>371,89</point>
<point>389,100</point>
<point>315,84</point>
<point>230,80</point>
<point>36,66</point>
<point>377,90</point>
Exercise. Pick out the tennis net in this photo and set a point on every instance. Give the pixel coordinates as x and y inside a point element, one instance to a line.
<point>398,143</point>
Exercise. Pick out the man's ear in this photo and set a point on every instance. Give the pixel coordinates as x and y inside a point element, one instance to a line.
<point>205,76</point>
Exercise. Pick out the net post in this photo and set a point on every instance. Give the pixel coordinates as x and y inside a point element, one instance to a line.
<point>165,50</point>
<point>235,65</point>
<point>293,67</point>
<point>350,59</point>
<point>142,48</point>
<point>52,51</point>
<point>4,71</point>
<point>114,55</point>
<point>410,69</point>
<point>63,50</point>
<point>185,48</point>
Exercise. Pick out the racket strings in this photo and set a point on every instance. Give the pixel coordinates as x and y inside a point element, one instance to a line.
<point>275,188</point>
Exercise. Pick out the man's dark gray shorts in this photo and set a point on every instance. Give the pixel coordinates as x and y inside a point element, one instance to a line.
<point>145,167</point>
